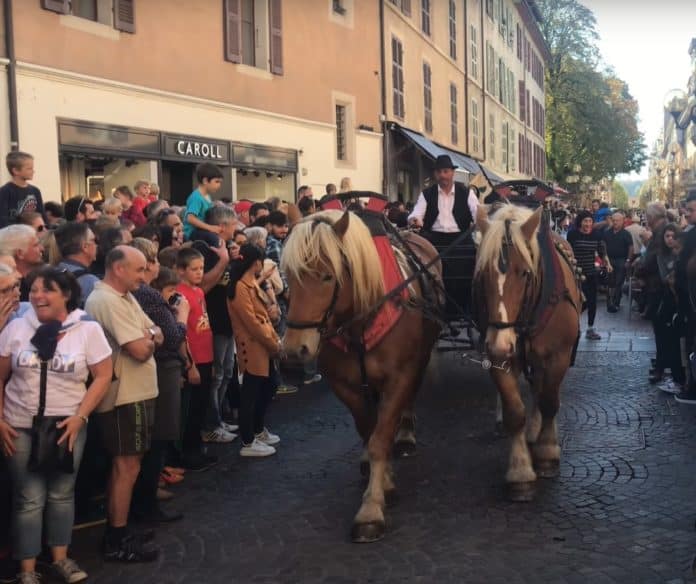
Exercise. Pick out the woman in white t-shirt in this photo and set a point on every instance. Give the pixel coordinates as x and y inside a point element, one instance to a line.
<point>82,349</point>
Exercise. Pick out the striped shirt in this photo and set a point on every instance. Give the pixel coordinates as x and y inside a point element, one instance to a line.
<point>585,247</point>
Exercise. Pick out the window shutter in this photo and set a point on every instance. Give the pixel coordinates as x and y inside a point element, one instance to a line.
<point>406,7</point>
<point>233,30</point>
<point>276,21</point>
<point>124,15</point>
<point>59,6</point>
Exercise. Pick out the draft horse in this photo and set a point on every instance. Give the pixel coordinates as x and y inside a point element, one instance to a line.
<point>335,279</point>
<point>527,302</point>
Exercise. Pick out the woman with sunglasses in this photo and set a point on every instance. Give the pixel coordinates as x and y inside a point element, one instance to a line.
<point>33,220</point>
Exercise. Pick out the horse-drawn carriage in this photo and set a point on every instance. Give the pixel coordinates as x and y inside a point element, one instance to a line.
<point>369,301</point>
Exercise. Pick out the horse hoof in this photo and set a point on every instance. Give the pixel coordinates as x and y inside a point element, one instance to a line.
<point>547,469</point>
<point>391,498</point>
<point>367,532</point>
<point>404,449</point>
<point>521,492</point>
<point>365,468</point>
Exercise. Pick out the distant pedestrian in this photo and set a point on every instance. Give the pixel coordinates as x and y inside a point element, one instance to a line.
<point>619,248</point>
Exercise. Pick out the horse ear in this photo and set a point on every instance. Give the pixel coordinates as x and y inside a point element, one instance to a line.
<point>530,226</point>
<point>482,218</point>
<point>341,226</point>
<point>294,214</point>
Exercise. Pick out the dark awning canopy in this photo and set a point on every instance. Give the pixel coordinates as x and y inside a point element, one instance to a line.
<point>433,150</point>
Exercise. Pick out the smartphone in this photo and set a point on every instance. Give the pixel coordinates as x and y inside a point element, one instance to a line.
<point>175,299</point>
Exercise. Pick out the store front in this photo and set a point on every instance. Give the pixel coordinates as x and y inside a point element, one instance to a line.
<point>95,159</point>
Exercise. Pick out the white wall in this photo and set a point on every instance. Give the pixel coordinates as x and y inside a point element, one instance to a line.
<point>46,95</point>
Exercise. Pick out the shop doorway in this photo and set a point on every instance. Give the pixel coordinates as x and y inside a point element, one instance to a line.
<point>178,181</point>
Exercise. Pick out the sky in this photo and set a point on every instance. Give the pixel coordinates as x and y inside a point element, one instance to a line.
<point>647,43</point>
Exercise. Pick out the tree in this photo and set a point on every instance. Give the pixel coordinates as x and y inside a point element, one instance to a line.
<point>619,195</point>
<point>591,116</point>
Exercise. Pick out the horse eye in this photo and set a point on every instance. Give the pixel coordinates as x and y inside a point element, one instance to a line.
<point>327,278</point>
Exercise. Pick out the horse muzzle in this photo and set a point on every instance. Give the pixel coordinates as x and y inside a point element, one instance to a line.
<point>301,345</point>
<point>501,344</point>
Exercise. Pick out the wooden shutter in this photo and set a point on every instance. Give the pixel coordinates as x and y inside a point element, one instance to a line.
<point>276,22</point>
<point>124,15</point>
<point>406,7</point>
<point>233,30</point>
<point>59,6</point>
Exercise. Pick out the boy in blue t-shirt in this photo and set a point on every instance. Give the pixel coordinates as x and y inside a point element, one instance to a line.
<point>199,201</point>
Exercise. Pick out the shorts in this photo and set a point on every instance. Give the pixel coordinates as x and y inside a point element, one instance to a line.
<point>127,430</point>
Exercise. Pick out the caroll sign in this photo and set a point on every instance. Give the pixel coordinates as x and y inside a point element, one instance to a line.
<point>196,149</point>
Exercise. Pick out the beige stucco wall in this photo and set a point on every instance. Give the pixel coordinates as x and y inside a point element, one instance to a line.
<point>45,95</point>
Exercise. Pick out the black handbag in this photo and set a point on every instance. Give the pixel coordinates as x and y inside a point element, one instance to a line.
<point>46,454</point>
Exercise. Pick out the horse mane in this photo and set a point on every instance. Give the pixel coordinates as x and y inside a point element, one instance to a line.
<point>492,241</point>
<point>313,245</point>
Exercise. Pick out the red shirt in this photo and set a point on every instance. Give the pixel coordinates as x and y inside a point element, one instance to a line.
<point>140,203</point>
<point>198,333</point>
<point>134,215</point>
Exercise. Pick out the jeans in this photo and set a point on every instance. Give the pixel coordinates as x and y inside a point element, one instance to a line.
<point>223,370</point>
<point>618,277</point>
<point>38,496</point>
<point>256,395</point>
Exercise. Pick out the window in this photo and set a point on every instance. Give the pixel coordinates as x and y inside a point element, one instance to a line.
<point>519,42</point>
<point>504,141</point>
<point>341,141</point>
<point>491,70</point>
<point>512,148</point>
<point>338,7</point>
<point>474,126</point>
<point>254,33</point>
<point>491,138</point>
<point>453,114</point>
<point>398,77</point>
<point>523,107</point>
<point>427,98</point>
<point>405,6</point>
<point>425,16</point>
<point>453,30</point>
<point>474,52</point>
<point>489,8</point>
<point>117,13</point>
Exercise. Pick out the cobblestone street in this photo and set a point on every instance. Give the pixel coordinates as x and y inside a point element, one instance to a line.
<point>623,509</point>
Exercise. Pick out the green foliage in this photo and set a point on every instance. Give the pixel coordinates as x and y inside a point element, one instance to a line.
<point>591,117</point>
<point>619,196</point>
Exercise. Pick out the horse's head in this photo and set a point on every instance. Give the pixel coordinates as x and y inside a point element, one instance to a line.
<point>506,271</point>
<point>333,273</point>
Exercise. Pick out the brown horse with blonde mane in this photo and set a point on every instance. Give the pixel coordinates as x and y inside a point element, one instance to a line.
<point>336,283</point>
<point>528,305</point>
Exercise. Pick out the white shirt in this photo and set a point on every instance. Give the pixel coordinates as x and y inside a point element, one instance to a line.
<point>444,221</point>
<point>82,345</point>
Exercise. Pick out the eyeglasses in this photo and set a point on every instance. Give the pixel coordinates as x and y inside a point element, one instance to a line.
<point>40,228</point>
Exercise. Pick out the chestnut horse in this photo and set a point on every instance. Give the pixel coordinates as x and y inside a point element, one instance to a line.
<point>335,281</point>
<point>510,298</point>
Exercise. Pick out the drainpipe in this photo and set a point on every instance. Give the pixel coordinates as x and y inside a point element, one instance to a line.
<point>11,74</point>
<point>466,78</point>
<point>484,121</point>
<point>383,114</point>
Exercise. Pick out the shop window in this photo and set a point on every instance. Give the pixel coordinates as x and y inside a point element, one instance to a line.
<point>427,97</point>
<point>254,34</point>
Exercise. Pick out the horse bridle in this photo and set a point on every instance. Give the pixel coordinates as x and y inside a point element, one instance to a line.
<point>521,325</point>
<point>320,325</point>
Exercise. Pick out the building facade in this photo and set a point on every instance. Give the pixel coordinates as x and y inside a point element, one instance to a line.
<point>119,90</point>
<point>466,78</point>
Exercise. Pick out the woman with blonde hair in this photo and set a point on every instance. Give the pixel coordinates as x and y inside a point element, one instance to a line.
<point>346,185</point>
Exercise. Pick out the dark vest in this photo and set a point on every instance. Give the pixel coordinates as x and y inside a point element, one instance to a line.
<point>461,212</point>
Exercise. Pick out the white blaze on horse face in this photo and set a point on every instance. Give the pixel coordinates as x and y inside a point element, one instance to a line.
<point>501,342</point>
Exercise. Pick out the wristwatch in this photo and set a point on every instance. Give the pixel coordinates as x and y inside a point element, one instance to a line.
<point>151,330</point>
<point>85,419</point>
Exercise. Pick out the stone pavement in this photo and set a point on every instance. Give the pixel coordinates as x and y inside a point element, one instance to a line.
<point>623,509</point>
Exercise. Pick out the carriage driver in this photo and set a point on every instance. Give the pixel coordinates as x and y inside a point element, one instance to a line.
<point>443,211</point>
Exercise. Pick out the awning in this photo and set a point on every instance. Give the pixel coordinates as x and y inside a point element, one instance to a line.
<point>494,178</point>
<point>433,150</point>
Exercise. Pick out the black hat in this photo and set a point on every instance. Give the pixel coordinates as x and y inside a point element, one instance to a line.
<point>444,161</point>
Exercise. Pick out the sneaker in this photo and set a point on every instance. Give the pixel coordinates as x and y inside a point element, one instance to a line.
<point>219,436</point>
<point>257,449</point>
<point>316,378</point>
<point>670,387</point>
<point>28,578</point>
<point>229,427</point>
<point>69,571</point>
<point>593,335</point>
<point>130,549</point>
<point>686,397</point>
<point>285,389</point>
<point>267,438</point>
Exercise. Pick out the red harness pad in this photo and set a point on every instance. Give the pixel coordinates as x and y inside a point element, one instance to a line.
<point>389,314</point>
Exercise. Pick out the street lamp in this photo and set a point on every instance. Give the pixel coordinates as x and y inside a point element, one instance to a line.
<point>682,105</point>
